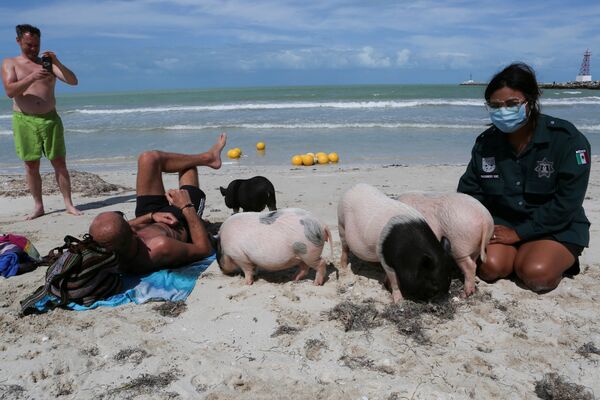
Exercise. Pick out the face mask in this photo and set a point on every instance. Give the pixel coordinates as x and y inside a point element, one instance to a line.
<point>509,119</point>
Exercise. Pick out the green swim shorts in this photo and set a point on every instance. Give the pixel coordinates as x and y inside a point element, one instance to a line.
<point>37,135</point>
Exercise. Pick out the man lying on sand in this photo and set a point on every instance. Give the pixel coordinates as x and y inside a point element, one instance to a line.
<point>167,230</point>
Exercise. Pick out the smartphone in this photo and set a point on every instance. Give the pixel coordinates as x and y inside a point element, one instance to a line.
<point>47,63</point>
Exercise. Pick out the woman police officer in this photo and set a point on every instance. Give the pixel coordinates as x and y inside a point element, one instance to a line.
<point>531,172</point>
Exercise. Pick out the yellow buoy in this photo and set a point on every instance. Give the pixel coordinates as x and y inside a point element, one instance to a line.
<point>311,154</point>
<point>320,154</point>
<point>308,159</point>
<point>333,157</point>
<point>234,153</point>
<point>297,160</point>
<point>238,150</point>
<point>260,146</point>
<point>322,158</point>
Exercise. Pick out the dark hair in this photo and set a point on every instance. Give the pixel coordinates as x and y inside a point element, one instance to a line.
<point>26,28</point>
<point>518,76</point>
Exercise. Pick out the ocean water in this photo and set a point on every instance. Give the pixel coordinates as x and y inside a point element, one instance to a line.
<point>367,124</point>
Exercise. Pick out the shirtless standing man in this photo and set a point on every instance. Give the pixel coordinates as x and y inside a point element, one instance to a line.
<point>167,230</point>
<point>37,127</point>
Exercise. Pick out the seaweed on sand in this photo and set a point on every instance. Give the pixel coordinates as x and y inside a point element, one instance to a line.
<point>285,330</point>
<point>171,308</point>
<point>587,349</point>
<point>554,387</point>
<point>144,384</point>
<point>134,355</point>
<point>408,317</point>
<point>355,317</point>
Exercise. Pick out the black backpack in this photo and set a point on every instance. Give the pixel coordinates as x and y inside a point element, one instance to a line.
<point>80,271</point>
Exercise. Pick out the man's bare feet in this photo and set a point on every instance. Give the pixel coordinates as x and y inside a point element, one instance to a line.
<point>215,151</point>
<point>73,210</point>
<point>37,212</point>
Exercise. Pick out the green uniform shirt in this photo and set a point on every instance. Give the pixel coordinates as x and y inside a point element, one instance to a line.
<point>540,192</point>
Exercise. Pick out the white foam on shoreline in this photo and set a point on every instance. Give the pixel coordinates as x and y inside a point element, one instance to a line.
<point>349,105</point>
<point>328,126</point>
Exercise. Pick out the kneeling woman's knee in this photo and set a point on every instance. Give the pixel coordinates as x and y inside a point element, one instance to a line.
<point>494,268</point>
<point>537,276</point>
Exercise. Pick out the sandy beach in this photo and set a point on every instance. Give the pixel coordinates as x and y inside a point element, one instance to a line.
<point>282,339</point>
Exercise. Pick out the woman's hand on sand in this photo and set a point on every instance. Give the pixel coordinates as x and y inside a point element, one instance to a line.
<point>504,235</point>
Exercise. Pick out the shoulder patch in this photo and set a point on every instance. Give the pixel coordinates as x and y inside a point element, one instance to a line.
<point>582,157</point>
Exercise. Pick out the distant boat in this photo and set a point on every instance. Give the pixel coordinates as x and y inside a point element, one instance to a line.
<point>471,82</point>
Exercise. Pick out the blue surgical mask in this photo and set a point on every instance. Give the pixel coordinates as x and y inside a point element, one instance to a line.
<point>509,119</point>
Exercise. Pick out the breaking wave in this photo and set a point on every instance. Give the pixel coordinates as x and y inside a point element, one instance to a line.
<point>344,105</point>
<point>328,126</point>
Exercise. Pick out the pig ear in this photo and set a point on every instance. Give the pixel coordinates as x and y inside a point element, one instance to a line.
<point>223,190</point>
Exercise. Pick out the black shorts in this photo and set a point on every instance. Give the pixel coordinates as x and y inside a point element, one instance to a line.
<point>574,249</point>
<point>159,203</point>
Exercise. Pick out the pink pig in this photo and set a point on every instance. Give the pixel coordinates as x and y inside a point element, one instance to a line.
<point>463,220</point>
<point>376,228</point>
<point>273,241</point>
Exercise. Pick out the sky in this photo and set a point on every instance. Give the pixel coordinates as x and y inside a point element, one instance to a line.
<point>126,45</point>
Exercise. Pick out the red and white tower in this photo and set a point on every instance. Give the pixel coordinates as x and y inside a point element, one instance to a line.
<point>584,70</point>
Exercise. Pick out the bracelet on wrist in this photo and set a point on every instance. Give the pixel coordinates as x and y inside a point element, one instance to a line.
<point>186,206</point>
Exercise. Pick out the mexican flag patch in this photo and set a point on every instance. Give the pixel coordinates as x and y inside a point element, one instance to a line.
<point>581,156</point>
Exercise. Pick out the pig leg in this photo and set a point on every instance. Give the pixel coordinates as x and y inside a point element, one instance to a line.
<point>468,268</point>
<point>321,269</point>
<point>345,248</point>
<point>393,281</point>
<point>236,210</point>
<point>248,269</point>
<point>302,272</point>
<point>344,257</point>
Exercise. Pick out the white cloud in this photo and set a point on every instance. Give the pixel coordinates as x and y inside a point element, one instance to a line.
<point>402,57</point>
<point>168,63</point>
<point>118,35</point>
<point>121,66</point>
<point>369,57</point>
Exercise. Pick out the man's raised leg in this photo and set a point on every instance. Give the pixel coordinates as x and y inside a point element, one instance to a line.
<point>151,165</point>
<point>64,183</point>
<point>34,182</point>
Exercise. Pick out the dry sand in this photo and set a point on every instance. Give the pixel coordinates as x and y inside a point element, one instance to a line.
<point>279,339</point>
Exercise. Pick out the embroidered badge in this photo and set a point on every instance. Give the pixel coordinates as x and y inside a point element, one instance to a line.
<point>581,156</point>
<point>544,168</point>
<point>488,164</point>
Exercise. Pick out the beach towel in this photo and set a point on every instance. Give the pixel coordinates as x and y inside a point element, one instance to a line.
<point>9,260</point>
<point>164,285</point>
<point>21,241</point>
<point>17,255</point>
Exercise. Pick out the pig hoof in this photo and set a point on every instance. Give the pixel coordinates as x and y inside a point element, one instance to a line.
<point>396,297</point>
<point>469,289</point>
<point>299,276</point>
<point>318,282</point>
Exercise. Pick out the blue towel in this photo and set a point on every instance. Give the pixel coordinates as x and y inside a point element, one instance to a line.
<point>9,264</point>
<point>166,284</point>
